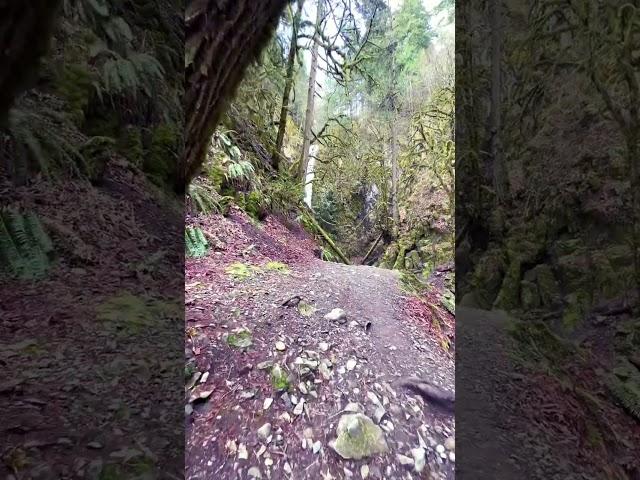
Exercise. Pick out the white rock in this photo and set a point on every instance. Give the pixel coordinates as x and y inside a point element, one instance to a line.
<point>280,346</point>
<point>450,443</point>
<point>336,315</point>
<point>268,461</point>
<point>287,468</point>
<point>374,398</point>
<point>404,460</point>
<point>242,452</point>
<point>264,431</point>
<point>452,456</point>
<point>317,446</point>
<point>254,472</point>
<point>364,471</point>
<point>351,364</point>
<point>323,346</point>
<point>267,403</point>
<point>299,407</point>
<point>419,458</point>
<point>440,449</point>
<point>303,388</point>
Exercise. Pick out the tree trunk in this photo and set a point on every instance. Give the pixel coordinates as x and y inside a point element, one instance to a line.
<point>499,171</point>
<point>26,29</point>
<point>222,38</point>
<point>311,92</point>
<point>633,160</point>
<point>293,50</point>
<point>395,175</point>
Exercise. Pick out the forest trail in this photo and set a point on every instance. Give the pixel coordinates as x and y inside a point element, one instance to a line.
<point>357,360</point>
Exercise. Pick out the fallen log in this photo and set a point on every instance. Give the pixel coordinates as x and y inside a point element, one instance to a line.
<point>306,211</point>
<point>372,248</point>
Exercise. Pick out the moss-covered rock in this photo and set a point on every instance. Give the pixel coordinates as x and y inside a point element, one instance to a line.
<point>529,295</point>
<point>399,263</point>
<point>412,261</point>
<point>509,296</point>
<point>488,276</point>
<point>358,437</point>
<point>547,290</point>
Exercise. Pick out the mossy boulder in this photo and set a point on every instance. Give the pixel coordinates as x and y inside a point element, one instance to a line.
<point>358,437</point>
<point>509,296</point>
<point>412,261</point>
<point>390,255</point>
<point>529,295</point>
<point>540,288</point>
<point>488,275</point>
<point>399,263</point>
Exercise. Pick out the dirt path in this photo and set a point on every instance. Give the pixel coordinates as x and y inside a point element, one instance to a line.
<point>366,364</point>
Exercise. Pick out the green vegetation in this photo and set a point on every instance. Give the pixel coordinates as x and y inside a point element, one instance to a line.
<point>196,244</point>
<point>25,246</point>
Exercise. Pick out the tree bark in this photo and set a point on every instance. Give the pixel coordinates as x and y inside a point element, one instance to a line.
<point>311,92</point>
<point>395,175</point>
<point>499,171</point>
<point>221,39</point>
<point>26,29</point>
<point>284,110</point>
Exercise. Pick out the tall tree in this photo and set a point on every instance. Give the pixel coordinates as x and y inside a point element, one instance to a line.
<point>284,110</point>
<point>311,93</point>
<point>221,41</point>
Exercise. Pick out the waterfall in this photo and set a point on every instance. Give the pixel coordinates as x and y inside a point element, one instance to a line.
<point>308,186</point>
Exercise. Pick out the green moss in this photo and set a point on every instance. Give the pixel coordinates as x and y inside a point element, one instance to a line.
<point>390,255</point>
<point>161,158</point>
<point>488,275</point>
<point>241,338</point>
<point>399,263</point>
<point>509,296</point>
<point>254,205</point>
<point>75,84</point>
<point>279,379</point>
<point>130,145</point>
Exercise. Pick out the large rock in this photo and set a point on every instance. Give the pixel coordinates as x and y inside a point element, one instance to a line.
<point>412,261</point>
<point>336,315</point>
<point>358,437</point>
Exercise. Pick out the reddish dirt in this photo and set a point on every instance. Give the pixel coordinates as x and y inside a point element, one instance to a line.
<point>78,391</point>
<point>392,347</point>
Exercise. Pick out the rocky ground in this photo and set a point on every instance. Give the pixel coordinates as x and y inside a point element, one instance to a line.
<point>295,364</point>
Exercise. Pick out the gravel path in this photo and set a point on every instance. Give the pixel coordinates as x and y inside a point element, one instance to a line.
<point>368,352</point>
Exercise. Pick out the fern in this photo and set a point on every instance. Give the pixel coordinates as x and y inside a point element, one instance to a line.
<point>195,242</point>
<point>203,199</point>
<point>41,134</point>
<point>242,170</point>
<point>127,75</point>
<point>24,245</point>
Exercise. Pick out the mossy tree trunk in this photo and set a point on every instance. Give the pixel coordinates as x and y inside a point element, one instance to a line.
<point>288,84</point>
<point>221,39</point>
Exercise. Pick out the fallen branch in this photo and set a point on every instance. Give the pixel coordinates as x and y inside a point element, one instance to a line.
<point>375,244</point>
<point>306,211</point>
